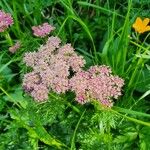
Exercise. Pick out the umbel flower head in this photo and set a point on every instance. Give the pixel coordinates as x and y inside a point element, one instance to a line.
<point>52,66</point>
<point>5,20</point>
<point>141,26</point>
<point>42,30</point>
<point>97,83</point>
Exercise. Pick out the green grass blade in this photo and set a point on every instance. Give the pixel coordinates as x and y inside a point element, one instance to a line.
<point>84,26</point>
<point>132,112</point>
<point>106,11</point>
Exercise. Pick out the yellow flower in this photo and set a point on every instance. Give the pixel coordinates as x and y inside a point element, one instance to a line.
<point>141,26</point>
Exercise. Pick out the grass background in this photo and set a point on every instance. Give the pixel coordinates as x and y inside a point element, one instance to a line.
<point>102,32</point>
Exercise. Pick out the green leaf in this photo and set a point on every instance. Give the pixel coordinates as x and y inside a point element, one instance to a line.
<point>143,83</point>
<point>38,131</point>
<point>131,112</point>
<point>144,136</point>
<point>17,97</point>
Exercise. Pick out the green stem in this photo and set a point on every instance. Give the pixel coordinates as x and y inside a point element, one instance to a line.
<point>8,38</point>
<point>140,61</point>
<point>132,119</point>
<point>68,103</point>
<point>9,96</point>
<point>74,134</point>
<point>76,18</point>
<point>138,52</point>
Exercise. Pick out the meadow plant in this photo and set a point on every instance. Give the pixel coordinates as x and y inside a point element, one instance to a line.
<point>58,68</point>
<point>5,20</point>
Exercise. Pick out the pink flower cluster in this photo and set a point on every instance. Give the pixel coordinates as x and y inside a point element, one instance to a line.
<point>5,21</point>
<point>97,83</point>
<point>52,66</point>
<point>58,68</point>
<point>15,47</point>
<point>42,30</point>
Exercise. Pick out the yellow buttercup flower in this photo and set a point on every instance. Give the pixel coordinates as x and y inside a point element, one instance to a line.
<point>141,26</point>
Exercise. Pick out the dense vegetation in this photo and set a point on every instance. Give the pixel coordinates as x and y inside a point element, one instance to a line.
<point>103,33</point>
